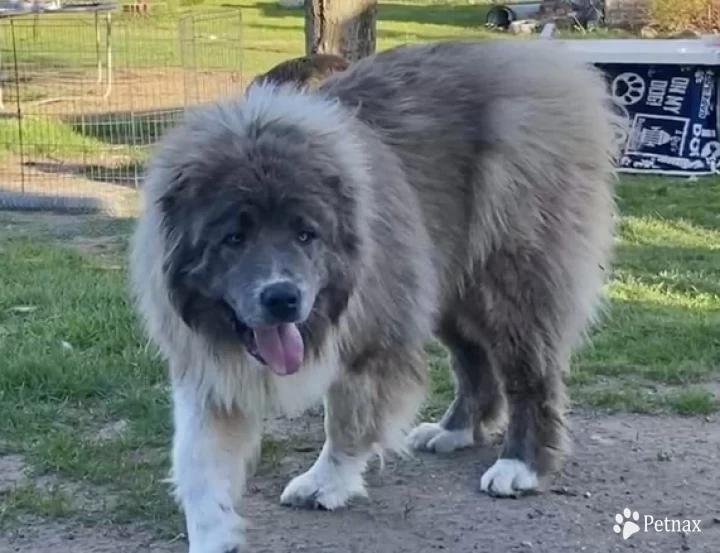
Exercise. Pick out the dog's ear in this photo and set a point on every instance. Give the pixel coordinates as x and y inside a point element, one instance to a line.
<point>178,202</point>
<point>336,298</point>
<point>175,187</point>
<point>343,271</point>
<point>346,210</point>
<point>178,263</point>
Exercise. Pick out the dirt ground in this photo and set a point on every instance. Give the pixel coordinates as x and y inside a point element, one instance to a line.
<point>660,466</point>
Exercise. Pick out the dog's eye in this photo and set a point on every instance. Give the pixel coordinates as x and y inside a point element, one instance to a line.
<point>306,236</point>
<point>234,239</point>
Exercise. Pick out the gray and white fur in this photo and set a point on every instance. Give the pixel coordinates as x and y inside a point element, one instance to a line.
<point>456,189</point>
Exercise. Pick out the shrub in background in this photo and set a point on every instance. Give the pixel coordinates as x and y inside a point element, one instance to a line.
<point>682,15</point>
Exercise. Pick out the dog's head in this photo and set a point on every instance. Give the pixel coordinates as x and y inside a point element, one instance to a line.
<point>305,71</point>
<point>263,223</point>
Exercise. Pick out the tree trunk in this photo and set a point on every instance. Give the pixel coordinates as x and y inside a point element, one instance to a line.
<point>345,28</point>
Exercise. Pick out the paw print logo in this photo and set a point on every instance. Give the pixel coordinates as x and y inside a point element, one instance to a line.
<point>627,523</point>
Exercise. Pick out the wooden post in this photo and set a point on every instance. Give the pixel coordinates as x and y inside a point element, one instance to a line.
<point>345,28</point>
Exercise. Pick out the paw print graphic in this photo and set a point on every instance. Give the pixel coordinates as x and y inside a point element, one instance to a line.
<point>627,523</point>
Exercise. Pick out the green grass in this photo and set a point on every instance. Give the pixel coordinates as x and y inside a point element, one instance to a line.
<point>50,503</point>
<point>666,287</point>
<point>48,135</point>
<point>636,398</point>
<point>55,398</point>
<point>74,360</point>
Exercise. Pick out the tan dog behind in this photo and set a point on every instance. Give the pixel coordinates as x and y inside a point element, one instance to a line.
<point>305,71</point>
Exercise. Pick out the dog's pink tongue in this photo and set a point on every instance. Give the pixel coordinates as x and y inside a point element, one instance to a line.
<point>281,347</point>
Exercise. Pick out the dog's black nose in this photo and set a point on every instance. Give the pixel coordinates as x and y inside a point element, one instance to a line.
<point>281,301</point>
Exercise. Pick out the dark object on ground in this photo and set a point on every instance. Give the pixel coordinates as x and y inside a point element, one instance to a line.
<point>306,71</point>
<point>500,17</point>
<point>24,201</point>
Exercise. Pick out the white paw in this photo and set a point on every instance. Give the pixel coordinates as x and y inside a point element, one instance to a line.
<point>222,535</point>
<point>508,477</point>
<point>329,484</point>
<point>431,436</point>
<point>213,547</point>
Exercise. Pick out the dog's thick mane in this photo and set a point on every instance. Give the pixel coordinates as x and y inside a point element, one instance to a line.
<point>331,130</point>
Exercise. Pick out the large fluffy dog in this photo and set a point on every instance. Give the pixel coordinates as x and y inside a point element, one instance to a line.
<point>299,244</point>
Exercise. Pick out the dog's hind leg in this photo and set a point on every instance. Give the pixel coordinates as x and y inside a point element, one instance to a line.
<point>478,401</point>
<point>367,410</point>
<point>526,308</point>
<point>536,437</point>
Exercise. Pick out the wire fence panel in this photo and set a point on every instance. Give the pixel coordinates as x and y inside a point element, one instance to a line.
<point>86,95</point>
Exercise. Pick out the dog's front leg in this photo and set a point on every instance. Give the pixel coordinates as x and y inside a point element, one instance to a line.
<point>366,411</point>
<point>212,448</point>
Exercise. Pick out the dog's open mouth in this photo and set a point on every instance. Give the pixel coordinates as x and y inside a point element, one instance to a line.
<point>251,346</point>
<point>279,347</point>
